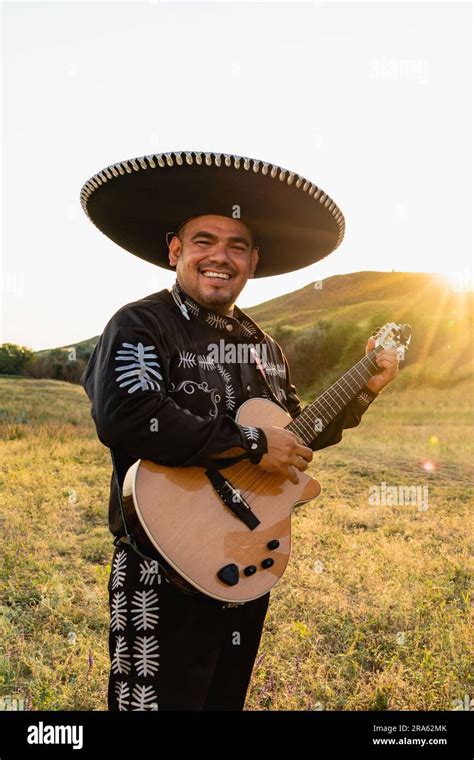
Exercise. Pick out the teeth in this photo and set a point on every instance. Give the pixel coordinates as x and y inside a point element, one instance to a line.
<point>221,275</point>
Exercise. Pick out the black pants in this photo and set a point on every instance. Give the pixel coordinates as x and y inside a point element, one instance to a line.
<point>173,651</point>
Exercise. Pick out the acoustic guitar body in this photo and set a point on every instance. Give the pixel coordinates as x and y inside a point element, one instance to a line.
<point>189,524</point>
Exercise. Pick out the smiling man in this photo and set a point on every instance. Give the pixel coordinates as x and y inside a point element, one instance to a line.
<point>222,256</point>
<point>158,394</point>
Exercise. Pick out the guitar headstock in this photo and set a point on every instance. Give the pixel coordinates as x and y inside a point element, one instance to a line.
<point>394,336</point>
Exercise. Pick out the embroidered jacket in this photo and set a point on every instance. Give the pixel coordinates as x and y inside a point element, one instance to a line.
<point>165,384</point>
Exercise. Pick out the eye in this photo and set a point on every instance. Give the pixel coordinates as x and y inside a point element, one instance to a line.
<point>202,242</point>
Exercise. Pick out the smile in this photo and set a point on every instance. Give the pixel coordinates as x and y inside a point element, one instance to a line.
<point>217,275</point>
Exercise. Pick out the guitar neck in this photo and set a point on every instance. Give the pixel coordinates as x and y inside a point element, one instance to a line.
<point>317,415</point>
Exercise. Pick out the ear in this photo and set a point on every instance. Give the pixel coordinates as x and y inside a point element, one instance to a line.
<point>174,250</point>
<point>253,261</point>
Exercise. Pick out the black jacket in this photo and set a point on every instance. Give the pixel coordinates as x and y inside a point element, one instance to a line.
<point>162,387</point>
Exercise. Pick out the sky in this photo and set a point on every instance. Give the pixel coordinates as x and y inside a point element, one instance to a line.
<point>370,101</point>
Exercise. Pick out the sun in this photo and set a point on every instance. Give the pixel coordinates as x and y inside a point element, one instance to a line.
<point>458,281</point>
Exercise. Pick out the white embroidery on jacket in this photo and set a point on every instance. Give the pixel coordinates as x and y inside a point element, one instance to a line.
<point>216,321</point>
<point>275,369</point>
<point>228,388</point>
<point>250,432</point>
<point>194,308</point>
<point>189,387</point>
<point>187,359</point>
<point>224,373</point>
<point>140,370</point>
<point>229,398</point>
<point>205,362</point>
<point>248,328</point>
<point>364,399</point>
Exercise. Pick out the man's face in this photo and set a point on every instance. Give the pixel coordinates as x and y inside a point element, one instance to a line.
<point>214,259</point>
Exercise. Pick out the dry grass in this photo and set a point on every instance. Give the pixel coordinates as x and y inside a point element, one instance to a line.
<point>380,622</point>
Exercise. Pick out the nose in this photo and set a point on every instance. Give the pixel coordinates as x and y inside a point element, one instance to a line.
<point>219,253</point>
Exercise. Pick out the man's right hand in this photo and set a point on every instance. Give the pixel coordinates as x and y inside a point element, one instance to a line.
<point>286,452</point>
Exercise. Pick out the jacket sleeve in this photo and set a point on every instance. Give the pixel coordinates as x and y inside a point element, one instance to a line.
<point>348,417</point>
<point>126,381</point>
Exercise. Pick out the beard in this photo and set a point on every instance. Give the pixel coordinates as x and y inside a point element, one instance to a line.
<point>217,298</point>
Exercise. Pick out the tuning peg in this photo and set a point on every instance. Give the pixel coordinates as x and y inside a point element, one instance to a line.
<point>405,334</point>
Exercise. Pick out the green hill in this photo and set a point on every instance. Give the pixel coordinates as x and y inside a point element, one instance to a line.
<point>83,348</point>
<point>322,327</point>
<point>357,297</point>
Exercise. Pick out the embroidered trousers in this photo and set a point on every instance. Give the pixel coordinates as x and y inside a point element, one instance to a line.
<point>174,651</point>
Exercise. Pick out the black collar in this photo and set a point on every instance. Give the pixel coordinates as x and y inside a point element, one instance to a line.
<point>239,325</point>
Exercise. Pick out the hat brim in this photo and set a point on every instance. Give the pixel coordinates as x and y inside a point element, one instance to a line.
<point>137,202</point>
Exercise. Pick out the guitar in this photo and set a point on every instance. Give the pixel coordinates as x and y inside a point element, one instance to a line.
<point>228,533</point>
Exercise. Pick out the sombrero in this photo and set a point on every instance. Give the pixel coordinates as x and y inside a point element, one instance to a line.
<point>137,202</point>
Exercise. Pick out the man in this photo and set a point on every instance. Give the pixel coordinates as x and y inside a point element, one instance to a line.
<point>158,394</point>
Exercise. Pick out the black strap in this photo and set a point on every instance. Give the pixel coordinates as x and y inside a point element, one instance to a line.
<point>232,499</point>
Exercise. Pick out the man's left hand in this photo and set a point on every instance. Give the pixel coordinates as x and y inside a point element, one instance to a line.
<point>388,362</point>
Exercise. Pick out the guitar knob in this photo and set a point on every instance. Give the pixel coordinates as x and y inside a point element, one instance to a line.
<point>274,544</point>
<point>229,574</point>
<point>250,570</point>
<point>268,562</point>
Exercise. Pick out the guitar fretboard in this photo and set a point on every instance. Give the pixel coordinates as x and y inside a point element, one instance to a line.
<point>316,416</point>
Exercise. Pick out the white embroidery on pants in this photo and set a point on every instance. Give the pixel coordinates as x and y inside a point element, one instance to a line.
<point>144,698</point>
<point>146,655</point>
<point>118,613</point>
<point>121,658</point>
<point>118,570</point>
<point>144,606</point>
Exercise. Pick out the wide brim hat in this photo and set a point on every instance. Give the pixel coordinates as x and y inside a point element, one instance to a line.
<point>138,202</point>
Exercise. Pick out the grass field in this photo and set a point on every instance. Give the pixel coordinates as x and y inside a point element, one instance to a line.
<point>373,612</point>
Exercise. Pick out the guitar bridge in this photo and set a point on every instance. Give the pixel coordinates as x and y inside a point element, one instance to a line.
<point>232,499</point>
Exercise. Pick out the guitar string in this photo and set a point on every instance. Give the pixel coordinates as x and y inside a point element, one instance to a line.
<point>309,411</point>
<point>249,491</point>
<point>248,468</point>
